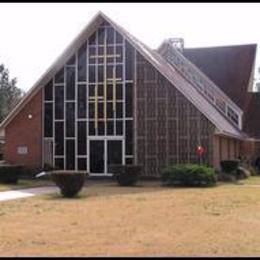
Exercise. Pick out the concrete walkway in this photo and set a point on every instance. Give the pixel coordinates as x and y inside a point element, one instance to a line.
<point>24,193</point>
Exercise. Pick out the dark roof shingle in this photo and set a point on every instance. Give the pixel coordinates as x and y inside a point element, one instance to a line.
<point>229,67</point>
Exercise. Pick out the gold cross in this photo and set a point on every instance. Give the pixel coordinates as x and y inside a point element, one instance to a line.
<point>114,80</point>
<point>96,106</point>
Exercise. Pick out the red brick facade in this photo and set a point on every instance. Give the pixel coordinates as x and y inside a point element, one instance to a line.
<point>25,132</point>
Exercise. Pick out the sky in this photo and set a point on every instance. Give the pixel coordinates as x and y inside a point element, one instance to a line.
<point>34,35</point>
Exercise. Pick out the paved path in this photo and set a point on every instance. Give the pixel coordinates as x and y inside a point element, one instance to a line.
<point>24,193</point>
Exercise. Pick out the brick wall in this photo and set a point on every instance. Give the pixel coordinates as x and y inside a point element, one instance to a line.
<point>25,132</point>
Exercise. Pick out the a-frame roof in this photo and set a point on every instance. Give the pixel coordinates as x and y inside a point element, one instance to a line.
<point>222,124</point>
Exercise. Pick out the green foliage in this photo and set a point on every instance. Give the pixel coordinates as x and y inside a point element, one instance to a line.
<point>10,173</point>
<point>229,166</point>
<point>10,95</point>
<point>126,175</point>
<point>69,182</point>
<point>188,175</point>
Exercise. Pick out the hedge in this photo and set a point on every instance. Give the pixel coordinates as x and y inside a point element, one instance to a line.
<point>188,175</point>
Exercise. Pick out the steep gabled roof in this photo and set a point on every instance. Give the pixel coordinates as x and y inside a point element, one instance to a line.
<point>175,77</point>
<point>230,67</point>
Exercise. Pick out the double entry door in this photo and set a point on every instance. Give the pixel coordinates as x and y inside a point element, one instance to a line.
<point>102,153</point>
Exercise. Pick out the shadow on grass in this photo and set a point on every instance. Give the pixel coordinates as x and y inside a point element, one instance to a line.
<point>106,189</point>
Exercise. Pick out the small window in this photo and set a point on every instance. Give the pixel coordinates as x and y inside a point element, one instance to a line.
<point>59,163</point>
<point>119,127</point>
<point>59,102</point>
<point>82,138</point>
<point>82,164</point>
<point>119,110</point>
<point>119,90</point>
<point>129,99</point>
<point>59,77</point>
<point>101,35</point>
<point>119,73</point>
<point>110,127</point>
<point>59,138</point>
<point>109,92</point>
<point>129,61</point>
<point>72,60</point>
<point>92,39</point>
<point>82,59</point>
<point>92,74</point>
<point>100,110</point>
<point>91,110</point>
<point>100,73</point>
<point>70,154</point>
<point>110,112</point>
<point>101,128</point>
<point>48,119</point>
<point>91,128</point>
<point>110,35</point>
<point>48,91</point>
<point>82,104</point>
<point>70,119</point>
<point>119,53</point>
<point>70,83</point>
<point>119,38</point>
<point>129,161</point>
<point>92,54</point>
<point>129,137</point>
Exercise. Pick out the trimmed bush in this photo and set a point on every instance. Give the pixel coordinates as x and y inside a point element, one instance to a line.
<point>126,175</point>
<point>10,173</point>
<point>188,175</point>
<point>229,166</point>
<point>69,182</point>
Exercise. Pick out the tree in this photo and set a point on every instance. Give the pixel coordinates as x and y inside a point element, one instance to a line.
<point>10,95</point>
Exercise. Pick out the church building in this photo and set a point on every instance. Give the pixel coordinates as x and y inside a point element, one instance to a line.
<point>110,99</point>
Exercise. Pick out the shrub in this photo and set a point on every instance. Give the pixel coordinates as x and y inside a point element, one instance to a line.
<point>10,173</point>
<point>188,175</point>
<point>229,166</point>
<point>69,182</point>
<point>126,175</point>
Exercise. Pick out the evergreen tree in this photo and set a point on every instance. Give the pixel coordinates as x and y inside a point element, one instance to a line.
<point>9,93</point>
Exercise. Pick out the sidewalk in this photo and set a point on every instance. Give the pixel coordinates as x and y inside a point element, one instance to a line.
<point>24,193</point>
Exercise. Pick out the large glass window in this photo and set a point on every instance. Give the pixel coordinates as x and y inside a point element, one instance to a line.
<point>91,96</point>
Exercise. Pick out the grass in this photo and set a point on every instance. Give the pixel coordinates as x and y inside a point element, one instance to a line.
<point>23,184</point>
<point>253,180</point>
<point>146,220</point>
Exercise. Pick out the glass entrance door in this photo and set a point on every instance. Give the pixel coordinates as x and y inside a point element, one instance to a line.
<point>97,159</point>
<point>103,153</point>
<point>114,152</point>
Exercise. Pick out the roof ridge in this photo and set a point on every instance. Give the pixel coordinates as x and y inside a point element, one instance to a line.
<point>168,71</point>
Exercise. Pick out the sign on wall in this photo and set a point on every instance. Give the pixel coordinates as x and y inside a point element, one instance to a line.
<point>22,150</point>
